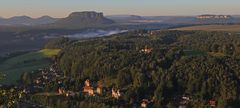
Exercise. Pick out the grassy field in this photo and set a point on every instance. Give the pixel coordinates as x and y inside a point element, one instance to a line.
<point>49,52</point>
<point>228,28</point>
<point>13,67</point>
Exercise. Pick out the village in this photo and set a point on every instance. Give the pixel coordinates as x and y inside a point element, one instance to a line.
<point>51,75</point>
<point>91,89</point>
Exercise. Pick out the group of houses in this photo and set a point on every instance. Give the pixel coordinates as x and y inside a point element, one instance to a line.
<point>89,89</point>
<point>92,90</point>
<point>115,93</point>
<point>48,76</point>
<point>53,74</point>
<point>67,93</point>
<point>184,101</point>
<point>146,33</point>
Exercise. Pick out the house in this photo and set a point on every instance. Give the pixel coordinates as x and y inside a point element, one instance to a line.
<point>182,106</point>
<point>99,89</point>
<point>87,83</point>
<point>186,98</point>
<point>184,102</point>
<point>87,88</point>
<point>151,33</point>
<point>147,50</point>
<point>59,82</point>
<point>61,90</point>
<point>212,102</point>
<point>37,81</point>
<point>70,94</point>
<point>144,103</point>
<point>115,93</point>
<point>25,90</point>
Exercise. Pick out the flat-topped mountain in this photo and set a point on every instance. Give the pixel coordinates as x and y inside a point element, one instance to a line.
<point>208,16</point>
<point>83,19</point>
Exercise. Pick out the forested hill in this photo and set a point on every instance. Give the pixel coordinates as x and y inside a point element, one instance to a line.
<point>152,68</point>
<point>160,66</point>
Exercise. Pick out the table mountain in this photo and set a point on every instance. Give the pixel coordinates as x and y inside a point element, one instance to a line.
<point>83,19</point>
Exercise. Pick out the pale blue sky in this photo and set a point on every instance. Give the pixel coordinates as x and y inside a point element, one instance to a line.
<point>61,8</point>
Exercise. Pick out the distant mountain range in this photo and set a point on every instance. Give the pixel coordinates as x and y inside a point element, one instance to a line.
<point>201,19</point>
<point>88,19</point>
<point>27,21</point>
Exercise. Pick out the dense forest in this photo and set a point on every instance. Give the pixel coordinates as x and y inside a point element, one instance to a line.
<point>152,69</point>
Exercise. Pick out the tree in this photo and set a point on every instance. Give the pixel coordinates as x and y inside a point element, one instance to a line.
<point>215,48</point>
<point>138,79</point>
<point>1,76</point>
<point>27,78</point>
<point>124,78</point>
<point>158,96</point>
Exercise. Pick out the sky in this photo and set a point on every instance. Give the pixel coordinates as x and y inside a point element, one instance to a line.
<point>61,8</point>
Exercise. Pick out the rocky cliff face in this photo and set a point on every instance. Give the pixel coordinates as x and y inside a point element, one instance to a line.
<point>86,15</point>
<point>84,19</point>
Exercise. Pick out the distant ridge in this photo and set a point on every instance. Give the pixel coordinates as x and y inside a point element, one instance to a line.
<point>26,20</point>
<point>75,19</point>
<point>89,19</point>
<point>125,17</point>
<point>209,16</point>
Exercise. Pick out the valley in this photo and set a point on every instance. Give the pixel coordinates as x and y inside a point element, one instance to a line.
<point>151,67</point>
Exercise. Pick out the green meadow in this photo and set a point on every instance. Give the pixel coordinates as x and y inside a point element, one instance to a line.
<point>13,67</point>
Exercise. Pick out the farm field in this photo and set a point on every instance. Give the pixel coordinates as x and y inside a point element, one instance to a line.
<point>228,28</point>
<point>13,67</point>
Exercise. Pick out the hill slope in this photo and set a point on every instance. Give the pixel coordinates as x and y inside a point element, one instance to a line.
<point>14,67</point>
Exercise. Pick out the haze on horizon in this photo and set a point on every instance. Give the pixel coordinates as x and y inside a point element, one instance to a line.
<point>61,8</point>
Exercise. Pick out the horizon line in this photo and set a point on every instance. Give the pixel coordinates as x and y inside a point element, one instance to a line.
<point>170,15</point>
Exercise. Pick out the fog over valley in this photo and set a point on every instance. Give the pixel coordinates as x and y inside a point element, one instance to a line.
<point>95,33</point>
